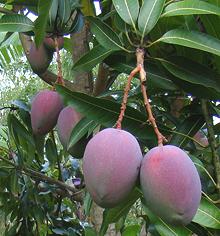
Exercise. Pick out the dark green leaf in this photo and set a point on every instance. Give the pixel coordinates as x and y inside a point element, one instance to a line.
<point>105,35</point>
<point>165,229</point>
<point>192,39</point>
<point>194,73</point>
<point>106,112</point>
<point>188,128</point>
<point>80,130</point>
<point>190,7</point>
<point>128,10</point>
<point>15,23</point>
<point>41,22</point>
<point>51,151</point>
<point>208,215</point>
<point>149,15</point>
<point>112,215</point>
<point>92,58</point>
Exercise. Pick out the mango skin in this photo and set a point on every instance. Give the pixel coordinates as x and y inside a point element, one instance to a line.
<point>67,120</point>
<point>45,110</point>
<point>39,58</point>
<point>111,165</point>
<point>171,184</point>
<point>50,44</point>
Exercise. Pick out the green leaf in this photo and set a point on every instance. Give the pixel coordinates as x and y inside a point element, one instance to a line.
<point>105,35</point>
<point>90,231</point>
<point>15,23</point>
<point>80,129</point>
<point>106,112</point>
<point>191,39</point>
<point>112,215</point>
<point>64,12</point>
<point>41,22</point>
<point>149,15</point>
<point>193,73</point>
<point>92,58</point>
<point>190,7</point>
<point>208,215</point>
<point>51,151</point>
<point>165,229</point>
<point>187,129</point>
<point>131,230</point>
<point>128,10</point>
<point>87,8</point>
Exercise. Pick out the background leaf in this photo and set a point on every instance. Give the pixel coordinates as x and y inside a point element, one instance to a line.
<point>192,39</point>
<point>15,23</point>
<point>190,7</point>
<point>149,15</point>
<point>128,10</point>
<point>208,214</point>
<point>41,22</point>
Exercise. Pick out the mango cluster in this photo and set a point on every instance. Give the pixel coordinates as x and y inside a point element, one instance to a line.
<point>48,111</point>
<point>113,163</point>
<point>169,180</point>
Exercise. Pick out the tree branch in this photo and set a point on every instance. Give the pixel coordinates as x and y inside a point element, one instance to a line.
<point>76,195</point>
<point>212,141</point>
<point>101,80</point>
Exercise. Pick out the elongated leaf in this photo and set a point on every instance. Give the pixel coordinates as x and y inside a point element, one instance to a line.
<point>192,39</point>
<point>208,215</point>
<point>81,129</point>
<point>105,35</point>
<point>196,74</point>
<point>112,215</point>
<point>165,229</point>
<point>149,15</point>
<point>15,23</point>
<point>41,22</point>
<point>64,11</point>
<point>190,7</point>
<point>106,112</point>
<point>189,128</point>
<point>92,58</point>
<point>128,10</point>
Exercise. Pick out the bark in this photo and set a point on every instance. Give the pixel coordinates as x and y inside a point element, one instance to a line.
<point>82,81</point>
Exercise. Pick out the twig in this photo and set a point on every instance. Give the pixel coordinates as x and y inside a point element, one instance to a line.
<point>140,69</point>
<point>151,119</point>
<point>11,108</point>
<point>59,64</point>
<point>212,141</point>
<point>40,176</point>
<point>125,97</point>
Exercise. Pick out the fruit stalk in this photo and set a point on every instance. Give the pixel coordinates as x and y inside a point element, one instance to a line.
<point>143,78</point>
<point>59,64</point>
<point>125,97</point>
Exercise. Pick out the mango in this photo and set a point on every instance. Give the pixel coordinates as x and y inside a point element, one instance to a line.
<point>45,109</point>
<point>67,120</point>
<point>50,44</point>
<point>170,184</point>
<point>39,58</point>
<point>111,165</point>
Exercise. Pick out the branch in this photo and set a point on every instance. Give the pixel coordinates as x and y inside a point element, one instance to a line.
<point>212,141</point>
<point>101,80</point>
<point>75,194</point>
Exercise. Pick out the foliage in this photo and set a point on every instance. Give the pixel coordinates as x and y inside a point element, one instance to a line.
<point>182,64</point>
